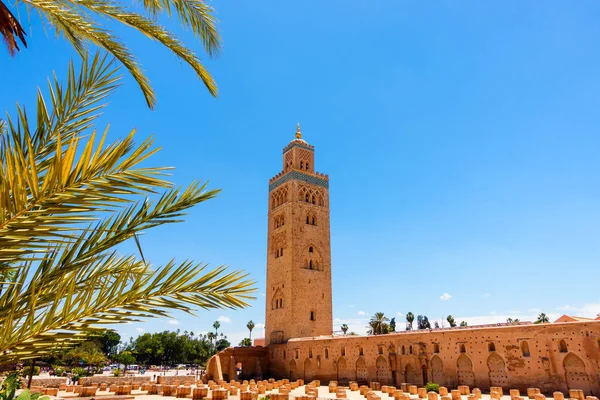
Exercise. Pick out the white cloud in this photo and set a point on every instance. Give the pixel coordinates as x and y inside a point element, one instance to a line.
<point>567,308</point>
<point>485,295</point>
<point>445,297</point>
<point>173,322</point>
<point>140,330</point>
<point>588,310</point>
<point>362,313</point>
<point>224,319</point>
<point>262,294</point>
<point>399,314</point>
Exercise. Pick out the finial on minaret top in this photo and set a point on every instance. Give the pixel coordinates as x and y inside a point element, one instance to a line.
<point>298,133</point>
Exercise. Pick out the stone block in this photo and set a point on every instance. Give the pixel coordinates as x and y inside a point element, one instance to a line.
<point>412,389</point>
<point>375,386</point>
<point>432,396</point>
<point>558,396</point>
<point>497,389</point>
<point>531,392</point>
<point>422,392</point>
<point>353,386</point>
<point>221,394</point>
<point>476,392</point>
<point>247,395</point>
<point>443,391</point>
<point>455,394</point>
<point>540,396</point>
<point>514,393</point>
<point>183,391</point>
<point>464,390</point>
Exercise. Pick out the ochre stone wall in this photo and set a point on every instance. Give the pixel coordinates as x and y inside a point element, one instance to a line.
<point>47,382</point>
<point>552,357</point>
<point>114,380</point>
<point>181,379</point>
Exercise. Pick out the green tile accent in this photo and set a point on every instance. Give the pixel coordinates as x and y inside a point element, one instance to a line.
<point>300,176</point>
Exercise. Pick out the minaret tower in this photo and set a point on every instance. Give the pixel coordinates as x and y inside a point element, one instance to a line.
<point>298,248</point>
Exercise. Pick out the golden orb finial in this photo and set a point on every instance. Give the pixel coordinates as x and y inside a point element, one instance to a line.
<point>298,133</point>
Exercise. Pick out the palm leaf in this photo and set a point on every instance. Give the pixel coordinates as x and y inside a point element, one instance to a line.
<point>66,201</point>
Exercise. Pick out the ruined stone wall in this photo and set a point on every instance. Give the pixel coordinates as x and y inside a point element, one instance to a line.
<point>252,360</point>
<point>180,379</point>
<point>114,380</point>
<point>549,356</point>
<point>47,382</point>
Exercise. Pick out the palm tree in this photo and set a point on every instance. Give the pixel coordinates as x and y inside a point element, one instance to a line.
<point>94,358</point>
<point>464,323</point>
<point>65,276</point>
<point>217,325</point>
<point>378,324</point>
<point>250,325</point>
<point>542,319</point>
<point>81,23</point>
<point>451,321</point>
<point>344,328</point>
<point>410,317</point>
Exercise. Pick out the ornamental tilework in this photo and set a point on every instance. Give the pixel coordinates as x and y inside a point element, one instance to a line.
<point>289,146</point>
<point>301,176</point>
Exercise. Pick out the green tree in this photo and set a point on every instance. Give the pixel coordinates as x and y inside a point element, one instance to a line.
<point>542,319</point>
<point>451,321</point>
<point>109,341</point>
<point>464,323</point>
<point>126,358</point>
<point>94,358</point>
<point>81,23</point>
<point>344,328</point>
<point>246,342</point>
<point>410,317</point>
<point>250,325</point>
<point>56,176</point>
<point>393,325</point>
<point>217,325</point>
<point>378,324</point>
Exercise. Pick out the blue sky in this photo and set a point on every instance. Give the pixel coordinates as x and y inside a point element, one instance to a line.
<point>460,137</point>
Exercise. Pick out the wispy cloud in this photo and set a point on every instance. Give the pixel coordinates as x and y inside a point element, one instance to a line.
<point>399,314</point>
<point>362,313</point>
<point>485,295</point>
<point>588,310</point>
<point>262,294</point>
<point>140,330</point>
<point>445,297</point>
<point>224,319</point>
<point>173,322</point>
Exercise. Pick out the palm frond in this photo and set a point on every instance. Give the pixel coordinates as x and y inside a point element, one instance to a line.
<point>66,201</point>
<point>11,30</point>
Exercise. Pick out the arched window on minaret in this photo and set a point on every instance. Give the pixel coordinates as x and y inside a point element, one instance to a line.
<point>307,165</point>
<point>277,302</point>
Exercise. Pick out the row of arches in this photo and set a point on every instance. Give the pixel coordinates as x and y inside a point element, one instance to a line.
<point>277,301</point>
<point>311,196</point>
<point>279,197</point>
<point>574,369</point>
<point>279,221</point>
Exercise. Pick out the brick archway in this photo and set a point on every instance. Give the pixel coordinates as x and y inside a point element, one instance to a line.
<point>362,374</point>
<point>465,371</point>
<point>437,370</point>
<point>497,370</point>
<point>575,374</point>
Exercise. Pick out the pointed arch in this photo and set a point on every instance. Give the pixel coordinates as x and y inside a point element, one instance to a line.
<point>465,371</point>
<point>409,374</point>
<point>575,374</point>
<point>384,374</point>
<point>362,374</point>
<point>277,301</point>
<point>309,371</point>
<point>437,370</point>
<point>293,369</point>
<point>497,370</point>
<point>342,370</point>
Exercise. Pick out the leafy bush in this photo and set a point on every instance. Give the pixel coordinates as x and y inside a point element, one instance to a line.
<point>27,369</point>
<point>59,371</point>
<point>10,386</point>
<point>117,372</point>
<point>27,395</point>
<point>78,371</point>
<point>432,387</point>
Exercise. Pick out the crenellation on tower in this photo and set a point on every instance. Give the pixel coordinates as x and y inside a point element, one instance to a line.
<point>299,298</point>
